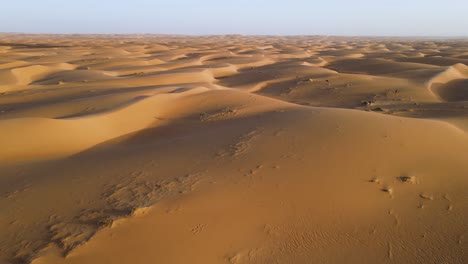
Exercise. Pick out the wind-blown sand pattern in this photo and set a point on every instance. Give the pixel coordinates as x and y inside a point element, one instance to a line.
<point>232,149</point>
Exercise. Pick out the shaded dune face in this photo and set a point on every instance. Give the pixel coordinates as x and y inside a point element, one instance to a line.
<point>232,149</point>
<point>453,91</point>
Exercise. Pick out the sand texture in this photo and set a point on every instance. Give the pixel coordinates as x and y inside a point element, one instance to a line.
<point>232,149</point>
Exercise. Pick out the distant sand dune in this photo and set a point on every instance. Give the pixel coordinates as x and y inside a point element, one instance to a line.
<point>29,74</point>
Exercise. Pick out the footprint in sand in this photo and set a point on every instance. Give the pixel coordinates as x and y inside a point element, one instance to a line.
<point>408,179</point>
<point>388,189</point>
<point>427,196</point>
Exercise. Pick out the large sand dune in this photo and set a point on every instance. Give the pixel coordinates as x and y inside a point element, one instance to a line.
<point>232,149</point>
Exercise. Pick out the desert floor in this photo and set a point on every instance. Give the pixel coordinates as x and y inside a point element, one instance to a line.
<point>233,149</point>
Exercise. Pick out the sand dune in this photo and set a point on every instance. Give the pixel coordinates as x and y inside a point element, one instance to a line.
<point>457,71</point>
<point>456,90</point>
<point>29,74</point>
<point>232,149</point>
<point>75,76</point>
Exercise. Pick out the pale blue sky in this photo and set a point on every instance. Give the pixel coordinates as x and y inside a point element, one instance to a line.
<point>292,17</point>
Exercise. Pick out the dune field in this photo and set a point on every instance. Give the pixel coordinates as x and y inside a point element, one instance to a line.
<point>233,149</point>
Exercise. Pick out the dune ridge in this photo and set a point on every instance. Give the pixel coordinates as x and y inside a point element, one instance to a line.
<point>454,72</point>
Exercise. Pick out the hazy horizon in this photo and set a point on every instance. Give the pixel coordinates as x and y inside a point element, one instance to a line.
<point>188,17</point>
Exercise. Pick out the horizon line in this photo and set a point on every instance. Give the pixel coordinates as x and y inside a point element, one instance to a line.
<point>237,34</point>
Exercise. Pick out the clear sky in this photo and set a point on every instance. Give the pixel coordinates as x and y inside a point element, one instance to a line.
<point>265,17</point>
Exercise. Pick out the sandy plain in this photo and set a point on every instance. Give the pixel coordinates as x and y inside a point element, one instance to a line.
<point>233,149</point>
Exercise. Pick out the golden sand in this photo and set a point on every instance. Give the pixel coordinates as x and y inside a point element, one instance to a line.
<point>232,149</point>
